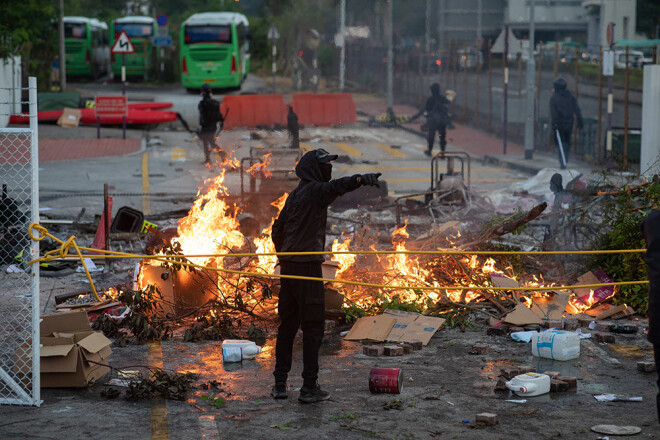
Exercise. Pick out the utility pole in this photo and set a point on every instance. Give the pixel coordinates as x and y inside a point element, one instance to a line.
<point>610,96</point>
<point>60,29</point>
<point>529,122</point>
<point>479,11</point>
<point>390,56</point>
<point>342,39</point>
<point>427,27</point>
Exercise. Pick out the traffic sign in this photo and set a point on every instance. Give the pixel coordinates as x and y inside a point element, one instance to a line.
<point>162,31</point>
<point>272,32</point>
<point>123,44</point>
<point>163,41</point>
<point>110,106</point>
<point>161,19</point>
<point>608,63</point>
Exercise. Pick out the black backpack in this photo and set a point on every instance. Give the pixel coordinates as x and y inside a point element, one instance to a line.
<point>211,111</point>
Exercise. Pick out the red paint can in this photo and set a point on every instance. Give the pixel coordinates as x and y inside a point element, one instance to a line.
<point>386,380</point>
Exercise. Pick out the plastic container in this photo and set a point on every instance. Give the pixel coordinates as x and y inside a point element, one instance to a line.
<point>529,384</point>
<point>385,380</point>
<point>556,344</point>
<point>236,350</point>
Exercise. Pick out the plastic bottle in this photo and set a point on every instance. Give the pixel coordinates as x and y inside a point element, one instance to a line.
<point>556,344</point>
<point>529,384</point>
<point>236,350</point>
<point>627,329</point>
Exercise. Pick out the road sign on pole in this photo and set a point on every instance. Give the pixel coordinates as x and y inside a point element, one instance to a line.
<point>163,41</point>
<point>161,19</point>
<point>273,34</point>
<point>123,44</point>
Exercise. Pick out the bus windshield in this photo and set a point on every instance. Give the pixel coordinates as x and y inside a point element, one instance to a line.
<point>208,34</point>
<point>135,29</point>
<point>75,30</point>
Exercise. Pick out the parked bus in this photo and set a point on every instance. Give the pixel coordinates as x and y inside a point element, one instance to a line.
<point>140,30</point>
<point>87,47</point>
<point>215,50</point>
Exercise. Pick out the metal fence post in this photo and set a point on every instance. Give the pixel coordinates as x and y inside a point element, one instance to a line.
<point>34,208</point>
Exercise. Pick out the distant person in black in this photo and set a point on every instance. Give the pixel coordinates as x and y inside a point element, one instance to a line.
<point>300,227</point>
<point>209,116</point>
<point>293,128</point>
<point>562,108</point>
<point>437,118</point>
<point>651,231</point>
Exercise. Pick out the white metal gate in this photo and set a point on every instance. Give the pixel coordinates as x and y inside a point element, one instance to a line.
<point>19,285</point>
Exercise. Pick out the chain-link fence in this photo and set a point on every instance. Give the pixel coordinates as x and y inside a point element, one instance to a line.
<point>19,284</point>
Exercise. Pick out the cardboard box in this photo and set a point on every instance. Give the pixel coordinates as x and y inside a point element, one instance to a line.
<point>395,326</point>
<point>72,355</point>
<point>69,118</point>
<point>550,307</point>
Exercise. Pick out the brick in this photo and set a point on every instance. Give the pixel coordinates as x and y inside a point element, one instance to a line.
<point>571,324</point>
<point>501,384</point>
<point>416,345</point>
<point>488,419</point>
<point>373,350</point>
<point>480,349</point>
<point>392,350</point>
<point>608,338</point>
<point>407,348</point>
<point>585,320</point>
<point>571,381</point>
<point>558,386</point>
<point>646,367</point>
<point>526,369</point>
<point>496,331</point>
<point>509,372</point>
<point>485,384</point>
<point>552,374</point>
<point>602,327</point>
<point>532,327</point>
<point>553,324</point>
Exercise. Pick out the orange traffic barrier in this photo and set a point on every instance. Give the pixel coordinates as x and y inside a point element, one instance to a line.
<point>253,110</point>
<point>324,109</point>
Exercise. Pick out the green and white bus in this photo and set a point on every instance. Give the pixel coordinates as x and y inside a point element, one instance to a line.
<point>215,50</point>
<point>87,47</point>
<point>140,30</point>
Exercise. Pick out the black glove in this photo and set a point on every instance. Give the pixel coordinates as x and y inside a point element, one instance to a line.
<point>370,179</point>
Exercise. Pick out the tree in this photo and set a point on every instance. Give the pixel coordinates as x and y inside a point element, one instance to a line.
<point>648,17</point>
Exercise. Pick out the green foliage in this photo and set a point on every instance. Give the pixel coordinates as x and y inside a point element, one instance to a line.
<point>326,60</point>
<point>622,231</point>
<point>457,318</point>
<point>172,386</point>
<point>216,402</point>
<point>348,415</point>
<point>143,320</point>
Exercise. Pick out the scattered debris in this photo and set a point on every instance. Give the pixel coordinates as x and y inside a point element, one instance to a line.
<point>616,429</point>
<point>488,419</point>
<point>393,404</point>
<point>646,367</point>
<point>617,398</point>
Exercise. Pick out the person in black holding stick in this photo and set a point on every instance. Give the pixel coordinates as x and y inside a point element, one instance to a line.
<point>209,117</point>
<point>562,108</point>
<point>300,227</point>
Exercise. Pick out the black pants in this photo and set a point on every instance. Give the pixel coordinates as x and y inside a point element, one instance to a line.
<point>565,134</point>
<point>208,140</point>
<point>656,356</point>
<point>430,135</point>
<point>301,305</point>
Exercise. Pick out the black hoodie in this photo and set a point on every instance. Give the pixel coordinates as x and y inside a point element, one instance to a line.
<point>300,226</point>
<point>562,107</point>
<point>437,104</point>
<point>651,228</point>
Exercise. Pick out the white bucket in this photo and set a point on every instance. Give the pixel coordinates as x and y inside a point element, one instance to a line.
<point>529,384</point>
<point>556,344</point>
<point>235,350</point>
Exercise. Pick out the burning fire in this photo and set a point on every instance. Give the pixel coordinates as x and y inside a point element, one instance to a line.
<point>345,260</point>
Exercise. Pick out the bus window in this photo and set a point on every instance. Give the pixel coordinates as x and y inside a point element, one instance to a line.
<point>134,29</point>
<point>208,34</point>
<point>75,30</point>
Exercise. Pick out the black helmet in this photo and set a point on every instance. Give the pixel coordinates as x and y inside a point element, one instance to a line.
<point>559,84</point>
<point>206,89</point>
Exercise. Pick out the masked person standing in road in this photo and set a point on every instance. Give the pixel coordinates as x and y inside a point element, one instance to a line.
<point>437,117</point>
<point>209,117</point>
<point>300,227</point>
<point>562,108</point>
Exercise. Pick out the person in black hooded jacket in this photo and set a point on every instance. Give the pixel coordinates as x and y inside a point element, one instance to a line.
<point>300,227</point>
<point>651,231</point>
<point>437,114</point>
<point>563,106</point>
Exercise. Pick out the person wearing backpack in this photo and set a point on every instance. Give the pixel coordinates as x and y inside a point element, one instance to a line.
<point>209,117</point>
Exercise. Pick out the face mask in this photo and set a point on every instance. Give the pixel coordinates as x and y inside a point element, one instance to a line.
<point>326,171</point>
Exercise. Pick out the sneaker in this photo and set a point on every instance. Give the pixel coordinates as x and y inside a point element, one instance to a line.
<point>427,152</point>
<point>279,391</point>
<point>313,394</point>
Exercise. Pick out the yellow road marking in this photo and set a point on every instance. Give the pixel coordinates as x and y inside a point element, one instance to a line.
<point>159,428</point>
<point>349,150</point>
<point>390,150</point>
<point>305,147</point>
<point>146,202</point>
<point>177,153</point>
<point>472,180</point>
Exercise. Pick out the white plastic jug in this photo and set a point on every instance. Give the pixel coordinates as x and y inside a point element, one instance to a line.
<point>235,350</point>
<point>529,384</point>
<point>556,344</point>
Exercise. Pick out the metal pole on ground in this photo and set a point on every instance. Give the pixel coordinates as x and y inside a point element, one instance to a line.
<point>505,63</point>
<point>599,145</point>
<point>625,111</point>
<point>390,56</point>
<point>529,122</point>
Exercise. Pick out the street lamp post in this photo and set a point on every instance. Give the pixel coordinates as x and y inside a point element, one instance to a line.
<point>529,122</point>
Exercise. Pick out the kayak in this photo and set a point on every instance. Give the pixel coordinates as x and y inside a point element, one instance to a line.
<point>54,115</point>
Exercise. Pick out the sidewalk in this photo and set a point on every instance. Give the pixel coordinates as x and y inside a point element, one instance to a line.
<point>478,143</point>
<point>63,144</point>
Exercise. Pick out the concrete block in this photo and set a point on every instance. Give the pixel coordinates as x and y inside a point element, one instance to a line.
<point>646,367</point>
<point>407,348</point>
<point>608,338</point>
<point>585,320</point>
<point>552,374</point>
<point>393,350</point>
<point>602,327</point>
<point>557,386</point>
<point>496,331</point>
<point>509,372</point>
<point>416,345</point>
<point>571,324</point>
<point>373,350</point>
<point>526,369</point>
<point>501,384</point>
<point>480,349</point>
<point>571,381</point>
<point>488,419</point>
<point>516,329</point>
<point>559,325</point>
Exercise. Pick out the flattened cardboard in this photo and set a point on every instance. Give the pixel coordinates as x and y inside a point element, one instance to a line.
<point>600,293</point>
<point>373,328</point>
<point>422,329</point>
<point>522,315</point>
<point>502,281</point>
<point>402,324</point>
<point>623,310</point>
<point>70,117</point>
<point>552,307</point>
